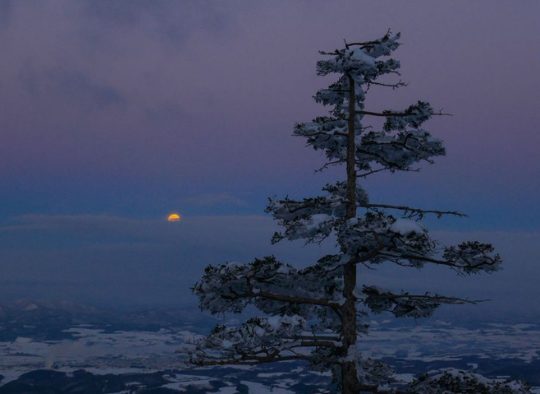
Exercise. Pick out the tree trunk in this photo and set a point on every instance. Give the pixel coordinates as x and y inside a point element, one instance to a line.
<point>349,377</point>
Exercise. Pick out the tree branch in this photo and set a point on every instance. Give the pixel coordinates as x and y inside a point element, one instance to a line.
<point>415,210</point>
<point>447,263</point>
<point>388,85</point>
<point>367,173</point>
<point>327,165</point>
<point>315,337</point>
<point>296,299</point>
<point>329,344</point>
<point>252,360</point>
<point>396,114</point>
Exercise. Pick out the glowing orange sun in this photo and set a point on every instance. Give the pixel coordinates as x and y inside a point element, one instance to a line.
<point>174,217</point>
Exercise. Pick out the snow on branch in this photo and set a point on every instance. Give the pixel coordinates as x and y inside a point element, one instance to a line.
<point>371,238</point>
<point>399,151</point>
<point>335,95</point>
<point>325,133</point>
<point>469,257</point>
<point>312,219</point>
<point>472,257</point>
<point>454,381</point>
<point>381,47</point>
<point>377,237</point>
<point>258,340</point>
<point>357,63</point>
<point>391,151</point>
<point>413,116</point>
<point>271,286</point>
<point>405,304</point>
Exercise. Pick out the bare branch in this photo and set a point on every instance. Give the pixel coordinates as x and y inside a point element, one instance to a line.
<point>396,85</point>
<point>327,165</point>
<point>416,210</point>
<point>295,299</point>
<point>315,337</point>
<point>438,298</point>
<point>387,114</point>
<point>368,173</point>
<point>333,53</point>
<point>253,360</point>
<point>365,174</point>
<point>366,44</point>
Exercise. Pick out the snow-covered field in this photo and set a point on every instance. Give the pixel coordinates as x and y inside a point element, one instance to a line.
<point>495,349</point>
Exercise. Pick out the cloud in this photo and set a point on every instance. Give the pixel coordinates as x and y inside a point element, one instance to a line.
<point>89,93</point>
<point>168,20</point>
<point>6,7</point>
<point>214,199</point>
<point>74,87</point>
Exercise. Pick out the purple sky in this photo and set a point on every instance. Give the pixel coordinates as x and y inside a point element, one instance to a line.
<point>131,109</point>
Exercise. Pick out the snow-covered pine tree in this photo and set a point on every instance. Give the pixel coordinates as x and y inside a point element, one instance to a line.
<point>316,313</point>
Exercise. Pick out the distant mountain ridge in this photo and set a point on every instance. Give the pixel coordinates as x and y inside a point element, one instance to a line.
<point>47,320</point>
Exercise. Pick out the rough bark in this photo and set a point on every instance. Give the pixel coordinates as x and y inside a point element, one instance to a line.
<point>349,376</point>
